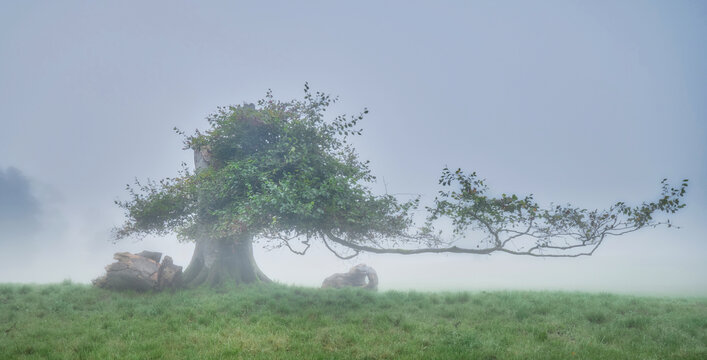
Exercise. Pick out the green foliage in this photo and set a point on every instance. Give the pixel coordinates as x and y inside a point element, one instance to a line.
<point>279,322</point>
<point>276,170</point>
<point>560,230</point>
<point>280,171</point>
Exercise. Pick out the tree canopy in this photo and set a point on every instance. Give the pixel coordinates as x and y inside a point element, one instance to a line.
<point>280,171</point>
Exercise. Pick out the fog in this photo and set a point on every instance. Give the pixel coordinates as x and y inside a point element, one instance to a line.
<point>588,103</point>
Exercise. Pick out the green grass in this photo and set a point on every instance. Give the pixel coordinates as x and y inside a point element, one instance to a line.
<point>67,321</point>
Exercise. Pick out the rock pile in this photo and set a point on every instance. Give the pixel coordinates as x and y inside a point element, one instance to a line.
<point>140,272</point>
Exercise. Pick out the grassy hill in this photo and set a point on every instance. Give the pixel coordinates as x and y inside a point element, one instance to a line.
<point>67,321</point>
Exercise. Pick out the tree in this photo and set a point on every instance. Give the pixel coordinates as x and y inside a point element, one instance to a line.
<point>280,173</point>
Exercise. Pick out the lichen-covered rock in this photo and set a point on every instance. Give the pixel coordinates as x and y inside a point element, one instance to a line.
<point>140,272</point>
<point>152,255</point>
<point>169,275</point>
<point>361,276</point>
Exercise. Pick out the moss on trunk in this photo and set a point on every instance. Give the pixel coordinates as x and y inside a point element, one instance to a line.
<point>218,261</point>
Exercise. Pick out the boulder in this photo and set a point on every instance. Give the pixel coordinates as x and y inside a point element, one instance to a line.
<point>169,275</point>
<point>361,276</point>
<point>152,255</point>
<point>140,272</point>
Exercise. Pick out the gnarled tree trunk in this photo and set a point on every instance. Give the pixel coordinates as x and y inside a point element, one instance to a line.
<point>360,276</point>
<point>224,260</point>
<point>217,261</point>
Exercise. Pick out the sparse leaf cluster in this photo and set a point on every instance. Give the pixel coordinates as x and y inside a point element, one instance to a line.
<point>521,226</point>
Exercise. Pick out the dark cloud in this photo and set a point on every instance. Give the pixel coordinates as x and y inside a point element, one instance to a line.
<point>19,208</point>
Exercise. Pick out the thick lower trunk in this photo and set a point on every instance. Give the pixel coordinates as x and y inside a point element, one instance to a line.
<point>223,261</point>
<point>219,261</point>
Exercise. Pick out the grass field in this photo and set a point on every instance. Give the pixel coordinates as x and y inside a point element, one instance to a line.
<point>68,321</point>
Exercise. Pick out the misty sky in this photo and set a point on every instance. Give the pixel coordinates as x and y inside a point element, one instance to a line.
<point>582,102</point>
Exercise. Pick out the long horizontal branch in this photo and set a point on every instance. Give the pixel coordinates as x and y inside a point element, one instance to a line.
<point>452,249</point>
<point>460,250</point>
<point>342,257</point>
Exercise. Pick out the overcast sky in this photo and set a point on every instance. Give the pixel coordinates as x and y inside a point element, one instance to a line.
<point>582,102</point>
